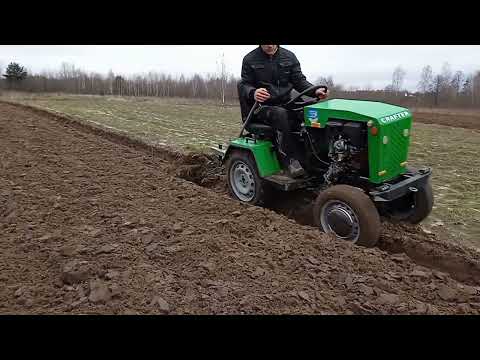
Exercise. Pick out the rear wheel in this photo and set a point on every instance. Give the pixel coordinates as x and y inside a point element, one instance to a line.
<point>348,213</point>
<point>244,182</point>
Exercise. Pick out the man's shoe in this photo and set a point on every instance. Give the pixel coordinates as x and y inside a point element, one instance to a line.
<point>295,169</point>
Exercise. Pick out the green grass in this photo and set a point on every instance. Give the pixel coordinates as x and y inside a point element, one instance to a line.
<point>451,152</point>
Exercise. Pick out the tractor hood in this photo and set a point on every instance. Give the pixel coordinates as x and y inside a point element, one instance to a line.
<point>388,131</point>
<point>357,110</point>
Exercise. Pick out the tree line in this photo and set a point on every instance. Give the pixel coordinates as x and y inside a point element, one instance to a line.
<point>445,89</point>
<point>72,80</point>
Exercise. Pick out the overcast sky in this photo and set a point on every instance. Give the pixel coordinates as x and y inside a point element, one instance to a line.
<point>350,65</point>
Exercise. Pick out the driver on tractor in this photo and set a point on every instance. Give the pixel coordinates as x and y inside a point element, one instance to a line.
<point>269,74</point>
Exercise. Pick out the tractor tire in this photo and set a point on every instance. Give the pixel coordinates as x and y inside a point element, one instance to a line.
<point>349,213</point>
<point>243,179</point>
<point>423,204</point>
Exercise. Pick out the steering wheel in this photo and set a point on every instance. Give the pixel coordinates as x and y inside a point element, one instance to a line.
<point>308,102</point>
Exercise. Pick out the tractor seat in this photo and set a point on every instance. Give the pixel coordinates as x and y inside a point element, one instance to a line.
<point>260,129</point>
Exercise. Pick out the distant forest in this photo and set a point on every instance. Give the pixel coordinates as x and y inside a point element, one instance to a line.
<point>445,89</point>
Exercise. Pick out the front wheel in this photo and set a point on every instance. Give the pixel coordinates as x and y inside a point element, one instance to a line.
<point>348,213</point>
<point>244,182</point>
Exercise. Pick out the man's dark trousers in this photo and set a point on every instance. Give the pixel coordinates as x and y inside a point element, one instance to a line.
<point>278,118</point>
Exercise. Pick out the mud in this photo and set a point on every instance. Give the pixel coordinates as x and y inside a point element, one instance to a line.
<point>92,223</point>
<point>426,249</point>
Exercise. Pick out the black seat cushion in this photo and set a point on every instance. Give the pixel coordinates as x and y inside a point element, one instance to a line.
<point>260,129</point>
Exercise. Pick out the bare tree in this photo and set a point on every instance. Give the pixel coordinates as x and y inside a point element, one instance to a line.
<point>446,73</point>
<point>426,80</point>
<point>328,81</point>
<point>397,78</point>
<point>110,80</point>
<point>446,89</point>
<point>475,87</point>
<point>196,85</point>
<point>457,81</point>
<point>223,77</point>
<point>321,80</point>
<point>437,87</point>
<point>469,90</point>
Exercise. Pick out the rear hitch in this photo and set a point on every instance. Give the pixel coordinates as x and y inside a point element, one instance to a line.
<point>220,151</point>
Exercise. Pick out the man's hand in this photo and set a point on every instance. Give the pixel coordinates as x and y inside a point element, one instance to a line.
<point>321,94</point>
<point>261,95</point>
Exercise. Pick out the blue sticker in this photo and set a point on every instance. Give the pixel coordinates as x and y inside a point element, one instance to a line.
<point>312,114</point>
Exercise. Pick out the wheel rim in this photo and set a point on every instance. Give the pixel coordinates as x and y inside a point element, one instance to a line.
<point>242,181</point>
<point>339,218</point>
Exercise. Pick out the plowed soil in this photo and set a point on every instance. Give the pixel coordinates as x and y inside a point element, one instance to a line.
<point>467,120</point>
<point>92,223</point>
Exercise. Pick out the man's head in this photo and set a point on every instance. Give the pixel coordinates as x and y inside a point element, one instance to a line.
<point>269,49</point>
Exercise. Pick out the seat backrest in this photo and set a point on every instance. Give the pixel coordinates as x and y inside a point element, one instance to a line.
<point>260,129</point>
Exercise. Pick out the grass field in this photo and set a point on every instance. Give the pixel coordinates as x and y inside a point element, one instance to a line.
<point>453,153</point>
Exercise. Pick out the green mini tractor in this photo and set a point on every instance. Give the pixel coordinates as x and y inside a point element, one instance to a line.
<point>355,155</point>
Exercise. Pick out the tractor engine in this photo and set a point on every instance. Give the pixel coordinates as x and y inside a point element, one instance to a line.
<point>347,150</point>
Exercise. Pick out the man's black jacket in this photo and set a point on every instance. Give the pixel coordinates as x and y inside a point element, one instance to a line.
<point>279,74</point>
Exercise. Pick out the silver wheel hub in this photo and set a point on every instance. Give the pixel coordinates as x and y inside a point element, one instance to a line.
<point>339,218</point>
<point>242,181</point>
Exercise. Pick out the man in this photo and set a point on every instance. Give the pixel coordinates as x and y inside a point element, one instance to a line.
<point>269,73</point>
